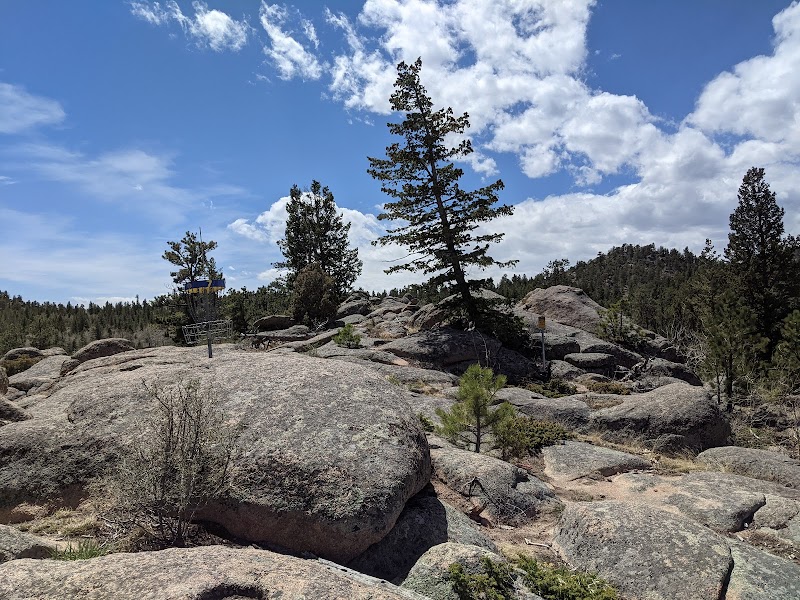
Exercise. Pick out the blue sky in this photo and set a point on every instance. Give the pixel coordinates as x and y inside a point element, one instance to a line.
<point>124,124</point>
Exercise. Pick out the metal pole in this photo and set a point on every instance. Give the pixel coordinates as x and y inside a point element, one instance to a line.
<point>544,364</point>
<point>208,338</point>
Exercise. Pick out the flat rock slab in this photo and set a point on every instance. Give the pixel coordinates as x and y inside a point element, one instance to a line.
<point>505,492</point>
<point>709,500</point>
<point>407,376</point>
<point>574,460</point>
<point>206,573</point>
<point>592,361</point>
<point>759,575</point>
<point>686,413</point>
<point>646,553</point>
<point>751,462</point>
<point>659,367</point>
<point>425,522</point>
<point>16,544</point>
<point>329,452</point>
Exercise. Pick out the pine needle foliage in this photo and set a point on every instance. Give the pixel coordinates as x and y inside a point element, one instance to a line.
<point>471,420</point>
<point>317,234</point>
<point>763,262</point>
<point>431,215</point>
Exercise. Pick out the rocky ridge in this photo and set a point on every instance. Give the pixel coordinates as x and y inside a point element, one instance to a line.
<point>337,466</point>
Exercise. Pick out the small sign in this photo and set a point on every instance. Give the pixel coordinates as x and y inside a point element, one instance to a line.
<point>540,323</point>
<point>204,286</point>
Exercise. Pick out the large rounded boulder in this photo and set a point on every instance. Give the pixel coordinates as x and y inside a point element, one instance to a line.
<point>328,452</point>
<point>672,418</point>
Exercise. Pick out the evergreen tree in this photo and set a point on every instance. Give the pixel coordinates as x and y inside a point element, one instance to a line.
<point>313,300</point>
<point>726,323</point>
<point>437,216</point>
<point>190,255</point>
<point>472,418</point>
<point>317,234</point>
<point>762,260</point>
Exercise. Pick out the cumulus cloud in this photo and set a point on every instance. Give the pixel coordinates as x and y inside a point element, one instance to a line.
<point>289,56</point>
<point>269,227</point>
<point>21,111</point>
<point>212,28</point>
<point>517,67</point>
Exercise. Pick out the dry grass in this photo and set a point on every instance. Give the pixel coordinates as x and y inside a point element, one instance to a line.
<point>66,522</point>
<point>598,402</point>
<point>664,465</point>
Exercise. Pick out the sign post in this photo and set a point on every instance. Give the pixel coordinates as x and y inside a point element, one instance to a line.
<point>540,325</point>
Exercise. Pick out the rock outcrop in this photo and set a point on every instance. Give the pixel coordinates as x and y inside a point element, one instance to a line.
<point>425,522</point>
<point>565,304</point>
<point>646,553</point>
<point>502,492</point>
<point>758,464</point>
<point>206,573</point>
<point>687,416</point>
<point>330,451</point>
<point>16,544</point>
<point>574,460</point>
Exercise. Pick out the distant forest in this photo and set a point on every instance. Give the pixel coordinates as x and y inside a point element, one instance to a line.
<point>653,283</point>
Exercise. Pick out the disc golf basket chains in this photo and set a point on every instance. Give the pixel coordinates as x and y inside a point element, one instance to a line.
<point>203,302</point>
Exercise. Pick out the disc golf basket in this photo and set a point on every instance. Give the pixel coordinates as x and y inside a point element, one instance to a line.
<point>203,302</point>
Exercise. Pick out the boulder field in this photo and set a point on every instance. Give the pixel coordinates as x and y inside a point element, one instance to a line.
<point>340,493</point>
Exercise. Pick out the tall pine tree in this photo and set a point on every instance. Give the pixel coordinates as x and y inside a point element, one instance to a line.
<point>316,234</point>
<point>762,260</point>
<point>436,216</point>
<point>191,257</point>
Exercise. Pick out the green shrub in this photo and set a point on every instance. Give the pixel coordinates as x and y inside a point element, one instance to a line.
<point>555,388</point>
<point>496,582</point>
<point>559,583</point>
<point>86,549</point>
<point>23,363</point>
<point>522,436</point>
<point>472,419</point>
<point>347,337</point>
<point>609,387</point>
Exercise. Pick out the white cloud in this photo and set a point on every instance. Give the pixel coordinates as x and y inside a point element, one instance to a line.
<point>243,228</point>
<point>289,56</point>
<point>270,225</point>
<point>212,28</point>
<point>131,178</point>
<point>20,110</point>
<point>761,97</point>
<point>53,254</point>
<point>517,67</point>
